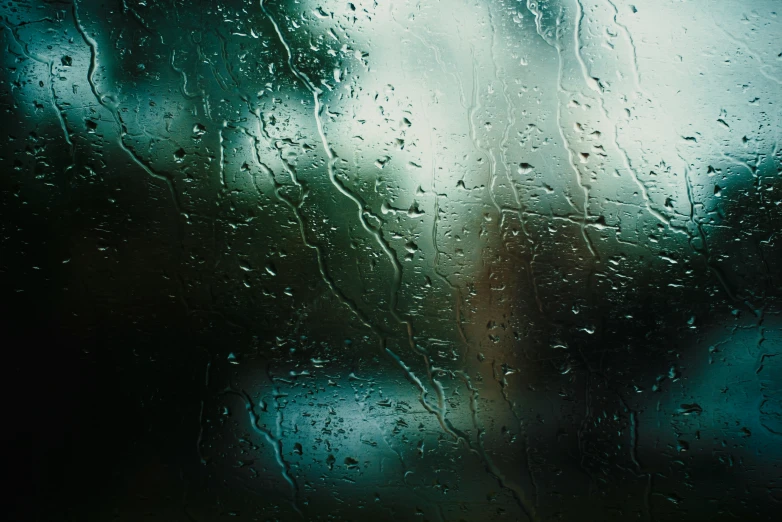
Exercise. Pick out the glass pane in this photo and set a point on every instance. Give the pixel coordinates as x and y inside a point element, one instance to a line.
<point>373,260</point>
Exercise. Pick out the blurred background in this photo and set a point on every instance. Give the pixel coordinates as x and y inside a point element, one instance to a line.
<point>374,260</point>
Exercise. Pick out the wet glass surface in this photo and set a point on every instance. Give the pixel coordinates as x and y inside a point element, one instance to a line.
<point>374,260</point>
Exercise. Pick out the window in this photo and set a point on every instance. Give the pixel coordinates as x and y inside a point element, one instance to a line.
<point>374,260</point>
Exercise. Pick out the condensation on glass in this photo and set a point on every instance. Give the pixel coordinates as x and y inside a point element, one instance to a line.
<point>375,260</point>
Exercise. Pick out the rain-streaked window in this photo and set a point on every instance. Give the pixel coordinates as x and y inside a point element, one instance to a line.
<point>392,260</point>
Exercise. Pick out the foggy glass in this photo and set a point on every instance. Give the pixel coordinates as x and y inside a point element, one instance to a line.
<point>375,260</point>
